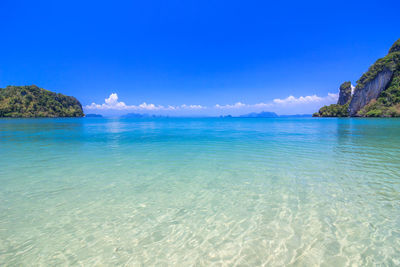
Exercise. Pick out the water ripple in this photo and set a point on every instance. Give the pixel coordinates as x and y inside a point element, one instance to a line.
<point>200,192</point>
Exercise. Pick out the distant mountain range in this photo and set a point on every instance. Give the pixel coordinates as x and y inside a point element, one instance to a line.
<point>296,116</point>
<point>263,114</point>
<point>140,116</point>
<point>93,116</point>
<point>266,114</point>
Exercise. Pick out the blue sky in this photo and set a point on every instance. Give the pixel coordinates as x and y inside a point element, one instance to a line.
<point>194,57</point>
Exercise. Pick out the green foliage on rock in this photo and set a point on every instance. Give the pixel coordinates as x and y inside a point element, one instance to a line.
<point>344,93</point>
<point>391,62</point>
<point>32,101</point>
<point>388,102</point>
<point>395,47</point>
<point>333,110</point>
<point>341,108</point>
<point>346,86</point>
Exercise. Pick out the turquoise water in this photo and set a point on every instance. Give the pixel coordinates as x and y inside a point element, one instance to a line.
<point>182,192</point>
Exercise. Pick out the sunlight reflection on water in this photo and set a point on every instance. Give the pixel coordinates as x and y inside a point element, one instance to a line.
<point>200,191</point>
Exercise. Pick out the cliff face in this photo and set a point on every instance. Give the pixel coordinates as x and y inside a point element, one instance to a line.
<point>32,101</point>
<point>395,47</point>
<point>341,108</point>
<point>344,93</point>
<point>370,91</point>
<point>377,93</point>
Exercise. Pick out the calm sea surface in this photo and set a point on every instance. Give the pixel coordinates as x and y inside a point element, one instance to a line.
<point>202,192</point>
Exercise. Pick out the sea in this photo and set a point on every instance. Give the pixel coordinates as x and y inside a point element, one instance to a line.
<point>200,192</point>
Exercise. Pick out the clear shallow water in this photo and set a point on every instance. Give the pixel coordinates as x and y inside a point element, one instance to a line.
<point>203,192</point>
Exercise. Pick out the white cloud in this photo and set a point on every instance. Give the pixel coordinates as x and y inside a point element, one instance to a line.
<point>262,105</point>
<point>302,100</point>
<point>305,99</point>
<point>112,103</point>
<point>288,105</point>
<point>146,106</point>
<point>112,99</point>
<point>184,106</point>
<point>171,107</point>
<point>109,103</point>
<point>236,105</point>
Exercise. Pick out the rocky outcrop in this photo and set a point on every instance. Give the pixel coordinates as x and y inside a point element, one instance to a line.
<point>377,93</point>
<point>395,47</point>
<point>31,101</point>
<point>344,93</point>
<point>371,90</point>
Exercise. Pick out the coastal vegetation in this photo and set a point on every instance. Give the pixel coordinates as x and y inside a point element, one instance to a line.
<point>32,101</point>
<point>390,61</point>
<point>341,108</point>
<point>334,110</point>
<point>377,93</point>
<point>388,103</point>
<point>345,90</point>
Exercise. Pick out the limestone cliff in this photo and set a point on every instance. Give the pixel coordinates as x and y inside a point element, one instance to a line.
<point>341,108</point>
<point>377,93</point>
<point>395,47</point>
<point>370,91</point>
<point>345,91</point>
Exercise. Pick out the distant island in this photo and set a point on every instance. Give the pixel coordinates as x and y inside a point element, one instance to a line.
<point>267,114</point>
<point>263,114</point>
<point>93,116</point>
<point>140,116</point>
<point>32,101</point>
<point>377,93</point>
<point>296,116</point>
